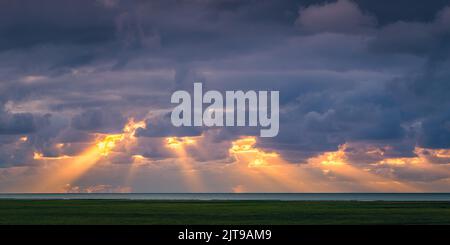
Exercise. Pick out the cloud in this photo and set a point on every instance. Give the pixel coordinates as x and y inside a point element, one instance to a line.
<point>417,38</point>
<point>435,131</point>
<point>26,24</point>
<point>20,123</point>
<point>99,121</point>
<point>342,16</point>
<point>161,126</point>
<point>369,75</point>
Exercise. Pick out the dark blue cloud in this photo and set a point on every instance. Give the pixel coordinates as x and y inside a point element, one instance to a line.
<point>21,123</point>
<point>98,120</point>
<point>435,131</point>
<point>162,127</point>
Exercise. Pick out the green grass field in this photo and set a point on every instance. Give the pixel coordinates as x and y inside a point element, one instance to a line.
<point>221,212</point>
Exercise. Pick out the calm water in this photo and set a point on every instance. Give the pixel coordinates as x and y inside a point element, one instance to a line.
<point>243,196</point>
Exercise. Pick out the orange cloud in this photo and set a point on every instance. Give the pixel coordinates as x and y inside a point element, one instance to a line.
<point>64,170</point>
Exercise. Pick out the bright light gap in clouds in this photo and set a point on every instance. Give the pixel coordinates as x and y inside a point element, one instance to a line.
<point>363,96</point>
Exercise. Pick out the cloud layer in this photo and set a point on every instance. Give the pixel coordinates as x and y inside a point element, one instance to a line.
<point>366,81</point>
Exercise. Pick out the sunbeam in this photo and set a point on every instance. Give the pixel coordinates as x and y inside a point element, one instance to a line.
<point>190,174</point>
<point>65,170</point>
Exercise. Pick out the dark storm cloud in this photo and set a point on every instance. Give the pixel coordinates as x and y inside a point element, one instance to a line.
<point>99,121</point>
<point>388,11</point>
<point>19,123</point>
<point>12,154</point>
<point>436,131</point>
<point>423,95</point>
<point>162,127</point>
<point>421,38</point>
<point>22,134</point>
<point>363,71</point>
<point>28,23</point>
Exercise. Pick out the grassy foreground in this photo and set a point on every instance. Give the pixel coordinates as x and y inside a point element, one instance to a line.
<point>221,212</point>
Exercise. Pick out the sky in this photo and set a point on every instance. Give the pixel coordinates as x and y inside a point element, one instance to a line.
<point>85,91</point>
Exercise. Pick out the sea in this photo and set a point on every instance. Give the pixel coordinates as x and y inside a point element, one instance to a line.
<point>237,196</point>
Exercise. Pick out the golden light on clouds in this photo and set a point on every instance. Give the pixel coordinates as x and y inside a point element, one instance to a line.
<point>246,167</point>
<point>108,143</point>
<point>243,145</point>
<point>138,157</point>
<point>131,127</point>
<point>423,157</point>
<point>442,153</point>
<point>244,148</point>
<point>40,156</point>
<point>64,170</point>
<point>264,170</point>
<point>325,172</point>
<point>178,142</point>
<point>336,164</point>
<point>400,161</point>
<point>37,155</point>
<point>185,162</point>
<point>336,158</point>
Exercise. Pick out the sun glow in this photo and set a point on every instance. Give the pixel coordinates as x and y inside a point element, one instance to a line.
<point>335,158</point>
<point>66,170</point>
<point>266,170</point>
<point>40,156</point>
<point>108,143</point>
<point>177,142</point>
<point>245,148</point>
<point>184,161</point>
<point>249,167</point>
<point>138,157</point>
<point>37,155</point>
<point>336,164</point>
<point>243,145</point>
